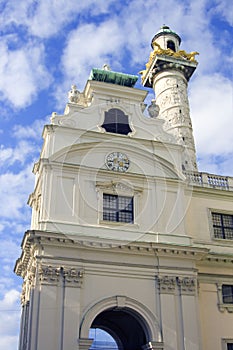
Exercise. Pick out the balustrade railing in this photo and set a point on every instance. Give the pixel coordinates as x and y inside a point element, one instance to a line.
<point>209,180</point>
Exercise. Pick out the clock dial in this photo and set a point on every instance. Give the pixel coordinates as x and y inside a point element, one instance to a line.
<point>117,161</point>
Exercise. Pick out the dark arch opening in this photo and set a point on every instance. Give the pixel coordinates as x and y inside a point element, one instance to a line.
<point>171,45</point>
<point>124,326</point>
<point>116,121</point>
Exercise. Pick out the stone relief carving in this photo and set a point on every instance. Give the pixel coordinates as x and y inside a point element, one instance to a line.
<point>23,294</point>
<point>73,276</point>
<point>168,284</point>
<point>187,284</point>
<point>49,274</point>
<point>153,109</point>
<point>67,122</point>
<point>28,284</point>
<point>117,187</point>
<point>53,274</point>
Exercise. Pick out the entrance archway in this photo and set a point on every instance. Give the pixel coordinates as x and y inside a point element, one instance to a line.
<point>124,326</point>
<point>129,322</point>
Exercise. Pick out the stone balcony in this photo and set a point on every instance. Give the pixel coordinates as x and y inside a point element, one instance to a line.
<point>196,178</point>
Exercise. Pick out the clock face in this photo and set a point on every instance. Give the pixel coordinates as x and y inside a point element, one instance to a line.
<point>117,161</point>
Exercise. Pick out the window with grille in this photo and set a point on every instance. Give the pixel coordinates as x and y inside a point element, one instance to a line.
<point>118,208</point>
<point>116,121</point>
<point>227,294</point>
<point>222,225</point>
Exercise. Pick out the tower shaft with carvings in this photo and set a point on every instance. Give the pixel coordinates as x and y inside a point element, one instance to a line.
<point>168,72</point>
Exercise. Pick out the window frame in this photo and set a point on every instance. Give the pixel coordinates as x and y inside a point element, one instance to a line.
<point>117,122</point>
<point>213,225</point>
<point>224,296</point>
<point>120,189</point>
<point>221,305</point>
<point>117,209</point>
<point>226,342</point>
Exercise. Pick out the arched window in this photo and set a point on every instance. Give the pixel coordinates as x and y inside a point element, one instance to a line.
<point>116,121</point>
<point>171,45</point>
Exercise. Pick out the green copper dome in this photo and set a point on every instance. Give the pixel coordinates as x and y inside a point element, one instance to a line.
<point>111,77</point>
<point>163,31</point>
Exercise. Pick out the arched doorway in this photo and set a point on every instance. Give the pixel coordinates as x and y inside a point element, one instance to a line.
<point>128,322</point>
<point>124,326</point>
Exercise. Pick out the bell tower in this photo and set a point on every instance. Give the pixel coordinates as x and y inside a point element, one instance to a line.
<point>168,72</point>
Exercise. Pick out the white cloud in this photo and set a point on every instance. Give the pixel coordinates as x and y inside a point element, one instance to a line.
<point>21,153</point>
<point>33,131</point>
<point>9,319</point>
<point>211,111</point>
<point>11,250</point>
<point>22,73</point>
<point>90,46</point>
<point>46,18</point>
<point>8,342</point>
<point>6,283</point>
<point>225,9</point>
<point>10,299</point>
<point>14,191</point>
<point>216,164</point>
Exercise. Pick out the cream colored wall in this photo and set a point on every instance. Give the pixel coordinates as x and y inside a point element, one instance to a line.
<point>170,237</point>
<point>215,325</point>
<point>198,222</point>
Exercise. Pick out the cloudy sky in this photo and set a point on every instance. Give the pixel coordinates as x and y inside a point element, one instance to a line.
<point>48,45</point>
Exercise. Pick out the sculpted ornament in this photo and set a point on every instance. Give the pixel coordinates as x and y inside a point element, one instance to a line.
<point>49,274</point>
<point>153,109</point>
<point>53,274</point>
<point>158,50</point>
<point>167,284</point>
<point>187,284</point>
<point>73,276</point>
<point>74,94</point>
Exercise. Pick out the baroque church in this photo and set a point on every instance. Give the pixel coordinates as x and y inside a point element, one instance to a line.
<point>127,236</point>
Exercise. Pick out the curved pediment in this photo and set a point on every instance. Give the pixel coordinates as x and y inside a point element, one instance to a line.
<point>144,160</point>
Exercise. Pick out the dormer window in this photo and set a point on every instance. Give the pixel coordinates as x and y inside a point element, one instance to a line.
<point>171,45</point>
<point>116,121</point>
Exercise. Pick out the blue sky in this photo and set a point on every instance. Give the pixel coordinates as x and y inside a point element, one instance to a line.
<point>46,46</point>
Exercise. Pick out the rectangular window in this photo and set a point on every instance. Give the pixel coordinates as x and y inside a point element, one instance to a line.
<point>227,294</point>
<point>229,346</point>
<point>223,225</point>
<point>118,208</point>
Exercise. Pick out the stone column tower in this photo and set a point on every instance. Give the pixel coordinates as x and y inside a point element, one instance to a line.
<point>168,72</point>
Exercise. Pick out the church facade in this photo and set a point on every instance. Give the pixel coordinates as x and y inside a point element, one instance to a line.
<point>126,235</point>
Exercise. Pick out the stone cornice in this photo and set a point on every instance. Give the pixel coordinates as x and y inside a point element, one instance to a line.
<point>114,90</point>
<point>219,258</point>
<point>37,240</point>
<point>209,191</point>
